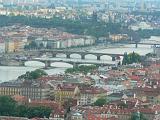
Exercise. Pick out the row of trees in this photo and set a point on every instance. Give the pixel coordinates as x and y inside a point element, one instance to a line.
<point>96,29</point>
<point>9,107</point>
<point>81,69</point>
<point>33,74</point>
<point>131,58</point>
<point>148,33</point>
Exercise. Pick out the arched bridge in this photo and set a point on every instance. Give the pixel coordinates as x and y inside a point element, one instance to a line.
<point>81,53</point>
<point>74,62</point>
<point>143,43</point>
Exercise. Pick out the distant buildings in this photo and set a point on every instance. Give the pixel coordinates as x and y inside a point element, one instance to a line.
<point>32,91</point>
<point>141,25</point>
<point>17,37</point>
<point>65,41</point>
<point>118,37</point>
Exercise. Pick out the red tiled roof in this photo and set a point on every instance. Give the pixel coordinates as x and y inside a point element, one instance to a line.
<point>47,103</point>
<point>84,90</point>
<point>116,111</point>
<point>51,77</point>
<point>134,77</point>
<point>19,98</point>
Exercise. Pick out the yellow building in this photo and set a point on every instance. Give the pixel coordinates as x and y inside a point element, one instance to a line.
<point>9,91</point>
<point>84,96</point>
<point>118,37</point>
<point>14,45</point>
<point>63,94</point>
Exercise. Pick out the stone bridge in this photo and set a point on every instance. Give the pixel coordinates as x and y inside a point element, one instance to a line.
<point>54,53</point>
<point>81,53</point>
<point>141,43</point>
<point>74,62</point>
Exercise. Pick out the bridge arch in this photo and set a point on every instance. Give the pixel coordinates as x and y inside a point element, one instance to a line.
<point>61,65</point>
<point>60,55</point>
<point>90,56</point>
<point>106,57</point>
<point>76,55</point>
<point>34,64</point>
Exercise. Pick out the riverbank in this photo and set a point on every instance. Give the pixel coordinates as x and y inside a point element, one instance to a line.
<point>96,47</point>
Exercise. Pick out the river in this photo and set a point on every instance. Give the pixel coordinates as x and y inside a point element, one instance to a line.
<point>10,73</point>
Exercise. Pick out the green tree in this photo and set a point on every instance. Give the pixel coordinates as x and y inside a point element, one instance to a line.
<point>38,112</point>
<point>100,102</point>
<point>138,116</point>
<point>7,106</point>
<point>33,74</point>
<point>37,73</point>
<point>81,26</point>
<point>21,111</point>
<point>125,59</point>
<point>134,58</point>
<point>131,58</point>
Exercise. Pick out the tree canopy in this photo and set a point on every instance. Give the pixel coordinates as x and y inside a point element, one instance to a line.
<point>100,102</point>
<point>131,58</point>
<point>33,75</point>
<point>81,27</point>
<point>147,33</point>
<point>138,116</point>
<point>9,107</point>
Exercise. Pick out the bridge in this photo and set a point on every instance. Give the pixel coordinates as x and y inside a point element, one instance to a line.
<point>54,53</point>
<point>74,62</point>
<point>81,53</point>
<point>36,55</point>
<point>142,43</point>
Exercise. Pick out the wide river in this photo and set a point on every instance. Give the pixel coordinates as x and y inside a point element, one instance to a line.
<point>9,73</point>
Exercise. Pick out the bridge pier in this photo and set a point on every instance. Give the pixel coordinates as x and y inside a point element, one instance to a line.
<point>68,56</point>
<point>113,58</point>
<point>53,55</point>
<point>83,57</point>
<point>22,63</point>
<point>47,64</point>
<point>136,45</point>
<point>98,57</point>
<point>75,65</point>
